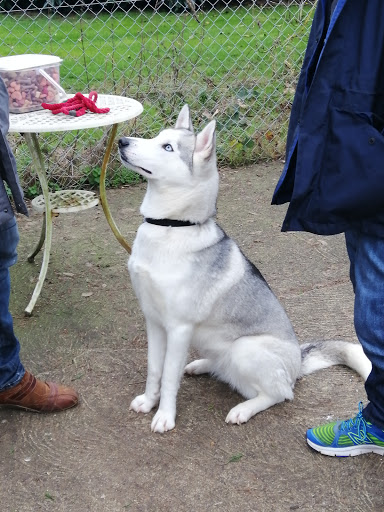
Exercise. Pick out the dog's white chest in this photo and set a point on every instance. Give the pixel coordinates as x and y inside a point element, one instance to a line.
<point>159,274</point>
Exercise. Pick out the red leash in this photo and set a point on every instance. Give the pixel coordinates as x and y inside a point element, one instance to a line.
<point>76,106</point>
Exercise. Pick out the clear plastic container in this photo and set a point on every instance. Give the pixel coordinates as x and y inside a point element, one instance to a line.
<point>31,80</point>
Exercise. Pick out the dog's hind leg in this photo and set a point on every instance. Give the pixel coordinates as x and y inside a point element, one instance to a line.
<point>263,369</point>
<point>261,394</point>
<point>198,367</point>
<point>244,411</point>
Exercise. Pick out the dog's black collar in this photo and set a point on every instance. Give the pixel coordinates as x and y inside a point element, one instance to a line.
<point>170,222</point>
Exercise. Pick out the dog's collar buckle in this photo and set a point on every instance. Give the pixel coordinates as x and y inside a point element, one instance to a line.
<point>170,222</point>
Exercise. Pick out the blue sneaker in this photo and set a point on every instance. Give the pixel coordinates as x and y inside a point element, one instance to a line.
<point>347,438</point>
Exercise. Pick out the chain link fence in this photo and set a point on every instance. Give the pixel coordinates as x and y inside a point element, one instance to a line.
<point>236,61</point>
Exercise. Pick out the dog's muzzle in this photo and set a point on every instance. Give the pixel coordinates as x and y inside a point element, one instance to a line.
<point>124,142</point>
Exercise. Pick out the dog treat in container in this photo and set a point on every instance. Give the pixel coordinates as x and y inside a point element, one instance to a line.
<point>31,80</point>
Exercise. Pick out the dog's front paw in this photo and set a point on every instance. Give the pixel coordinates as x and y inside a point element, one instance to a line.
<point>162,422</point>
<point>239,414</point>
<point>142,404</point>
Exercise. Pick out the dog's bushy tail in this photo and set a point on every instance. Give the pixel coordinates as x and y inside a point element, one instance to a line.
<point>322,354</point>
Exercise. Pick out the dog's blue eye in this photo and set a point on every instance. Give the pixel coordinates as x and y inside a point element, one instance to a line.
<point>168,147</point>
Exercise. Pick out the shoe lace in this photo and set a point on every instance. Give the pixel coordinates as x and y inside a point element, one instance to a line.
<point>358,421</point>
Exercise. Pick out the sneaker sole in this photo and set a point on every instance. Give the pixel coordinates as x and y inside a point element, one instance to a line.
<point>350,451</point>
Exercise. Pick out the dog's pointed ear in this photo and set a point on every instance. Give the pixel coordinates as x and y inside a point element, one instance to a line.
<point>206,140</point>
<point>184,119</point>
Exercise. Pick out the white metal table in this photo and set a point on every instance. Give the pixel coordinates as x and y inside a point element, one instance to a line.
<point>43,121</point>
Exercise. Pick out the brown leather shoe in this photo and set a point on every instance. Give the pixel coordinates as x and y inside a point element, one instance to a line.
<point>35,395</point>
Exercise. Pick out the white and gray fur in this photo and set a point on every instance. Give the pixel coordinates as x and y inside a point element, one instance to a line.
<point>196,288</point>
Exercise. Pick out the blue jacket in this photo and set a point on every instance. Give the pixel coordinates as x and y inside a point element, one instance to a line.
<point>334,171</point>
<point>8,172</point>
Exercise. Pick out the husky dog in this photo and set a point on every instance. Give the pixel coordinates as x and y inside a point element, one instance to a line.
<point>196,288</point>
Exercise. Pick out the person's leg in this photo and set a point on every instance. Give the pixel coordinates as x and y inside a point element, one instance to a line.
<point>369,318</point>
<point>365,432</point>
<point>19,388</point>
<point>11,369</point>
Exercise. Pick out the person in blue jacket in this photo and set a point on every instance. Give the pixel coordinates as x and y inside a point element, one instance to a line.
<point>333,179</point>
<point>18,387</point>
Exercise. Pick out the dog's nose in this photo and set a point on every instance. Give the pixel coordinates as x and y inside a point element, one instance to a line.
<point>124,141</point>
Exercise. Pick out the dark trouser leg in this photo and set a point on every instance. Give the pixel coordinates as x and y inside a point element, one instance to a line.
<point>11,369</point>
<point>366,253</point>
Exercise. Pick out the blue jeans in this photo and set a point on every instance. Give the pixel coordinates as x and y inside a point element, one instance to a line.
<point>366,254</point>
<point>11,369</point>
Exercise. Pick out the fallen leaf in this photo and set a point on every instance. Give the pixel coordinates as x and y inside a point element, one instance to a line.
<point>236,458</point>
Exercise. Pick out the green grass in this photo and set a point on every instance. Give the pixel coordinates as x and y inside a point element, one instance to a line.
<point>240,65</point>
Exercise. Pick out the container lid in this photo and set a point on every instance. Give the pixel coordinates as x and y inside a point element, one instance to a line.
<point>27,61</point>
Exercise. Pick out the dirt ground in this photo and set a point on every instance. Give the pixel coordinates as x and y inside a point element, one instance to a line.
<point>87,331</point>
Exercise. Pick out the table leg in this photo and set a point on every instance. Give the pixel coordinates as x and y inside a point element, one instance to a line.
<point>103,196</point>
<point>38,162</point>
<point>40,243</point>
